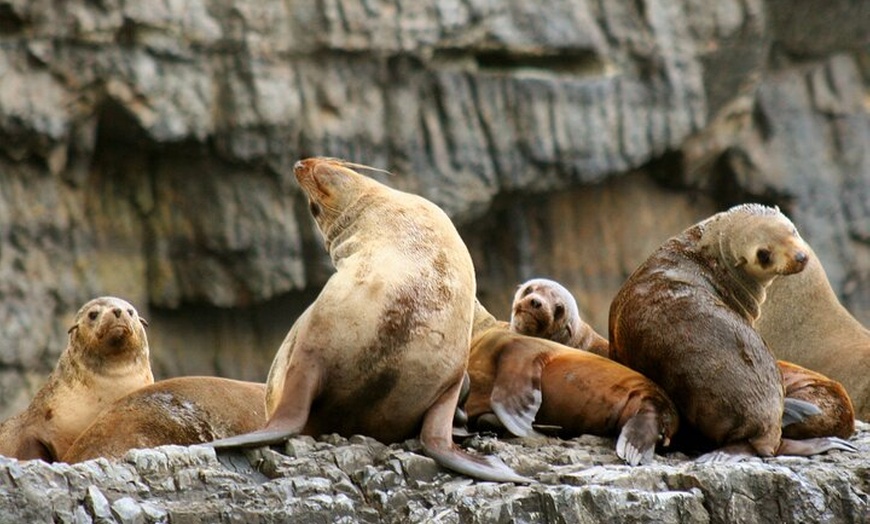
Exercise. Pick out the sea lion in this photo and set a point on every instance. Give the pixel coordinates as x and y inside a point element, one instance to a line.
<point>836,416</point>
<point>829,414</point>
<point>106,357</point>
<point>804,322</point>
<point>181,410</point>
<point>546,309</point>
<point>382,350</point>
<point>525,379</point>
<point>684,319</point>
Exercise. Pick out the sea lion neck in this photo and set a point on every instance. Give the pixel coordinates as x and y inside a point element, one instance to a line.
<point>743,293</point>
<point>338,236</point>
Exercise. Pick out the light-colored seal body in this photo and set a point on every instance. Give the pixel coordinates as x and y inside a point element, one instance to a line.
<point>107,357</point>
<point>803,322</point>
<point>382,350</point>
<point>684,319</point>
<point>180,411</point>
<point>546,309</point>
<point>525,380</point>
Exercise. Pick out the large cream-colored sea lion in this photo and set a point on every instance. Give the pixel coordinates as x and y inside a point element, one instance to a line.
<point>181,410</point>
<point>382,350</point>
<point>546,309</point>
<point>525,380</point>
<point>684,319</point>
<point>106,358</point>
<point>803,322</point>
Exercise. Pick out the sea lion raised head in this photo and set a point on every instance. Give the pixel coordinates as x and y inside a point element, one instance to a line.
<point>107,356</point>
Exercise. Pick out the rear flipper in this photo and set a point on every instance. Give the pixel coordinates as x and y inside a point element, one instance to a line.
<point>796,410</point>
<point>813,446</point>
<point>436,438</point>
<point>637,440</point>
<point>262,437</point>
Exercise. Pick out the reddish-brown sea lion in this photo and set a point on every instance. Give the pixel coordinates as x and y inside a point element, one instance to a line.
<point>836,417</point>
<point>544,308</point>
<point>684,319</point>
<point>182,411</point>
<point>106,358</point>
<point>526,379</point>
<point>803,322</point>
<point>382,350</point>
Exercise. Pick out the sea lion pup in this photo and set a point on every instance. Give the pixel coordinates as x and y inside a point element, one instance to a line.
<point>106,357</point>
<point>836,416</point>
<point>382,350</point>
<point>684,319</point>
<point>525,379</point>
<point>544,308</point>
<point>181,410</point>
<point>803,322</point>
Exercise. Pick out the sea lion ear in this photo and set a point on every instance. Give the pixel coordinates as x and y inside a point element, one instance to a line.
<point>72,328</point>
<point>143,321</point>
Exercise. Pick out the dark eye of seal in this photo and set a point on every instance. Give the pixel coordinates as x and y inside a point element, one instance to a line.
<point>93,315</point>
<point>559,311</point>
<point>315,209</point>
<point>763,256</point>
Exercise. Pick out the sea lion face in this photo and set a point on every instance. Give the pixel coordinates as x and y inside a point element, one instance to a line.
<point>331,187</point>
<point>108,326</point>
<point>544,308</point>
<point>768,246</point>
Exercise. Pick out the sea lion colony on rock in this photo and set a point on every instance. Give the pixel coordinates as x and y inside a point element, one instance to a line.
<point>405,277</point>
<point>684,319</point>
<point>815,405</point>
<point>106,357</point>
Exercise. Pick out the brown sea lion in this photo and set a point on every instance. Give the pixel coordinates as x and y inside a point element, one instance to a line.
<point>181,410</point>
<point>684,319</point>
<point>836,417</point>
<point>382,350</point>
<point>829,413</point>
<point>803,322</point>
<point>106,357</point>
<point>544,308</point>
<point>525,379</point>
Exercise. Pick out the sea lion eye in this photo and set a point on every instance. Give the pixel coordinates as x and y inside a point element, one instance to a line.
<point>763,256</point>
<point>130,312</point>
<point>314,208</point>
<point>526,291</point>
<point>93,315</point>
<point>559,311</point>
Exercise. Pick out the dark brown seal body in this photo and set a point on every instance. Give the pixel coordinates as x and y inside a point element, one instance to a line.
<point>684,319</point>
<point>382,350</point>
<point>803,322</point>
<point>546,309</point>
<point>837,416</point>
<point>524,379</point>
<point>106,357</point>
<point>181,411</point>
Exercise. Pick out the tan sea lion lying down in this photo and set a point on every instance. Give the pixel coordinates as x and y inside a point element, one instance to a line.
<point>106,357</point>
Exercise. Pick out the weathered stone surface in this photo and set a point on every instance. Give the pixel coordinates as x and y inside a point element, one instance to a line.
<point>146,149</point>
<point>332,479</point>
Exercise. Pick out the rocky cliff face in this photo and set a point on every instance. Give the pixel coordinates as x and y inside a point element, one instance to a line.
<point>147,148</point>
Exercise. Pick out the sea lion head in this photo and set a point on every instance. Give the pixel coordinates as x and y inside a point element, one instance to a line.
<point>332,187</point>
<point>106,328</point>
<point>765,243</point>
<point>544,308</point>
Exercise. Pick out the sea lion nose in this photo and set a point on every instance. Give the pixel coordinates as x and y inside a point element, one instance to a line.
<point>117,311</point>
<point>298,165</point>
<point>801,257</point>
<point>535,303</point>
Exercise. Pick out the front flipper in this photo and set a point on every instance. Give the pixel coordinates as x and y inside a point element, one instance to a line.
<point>301,386</point>
<point>516,391</point>
<point>795,410</point>
<point>637,440</point>
<point>435,436</point>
